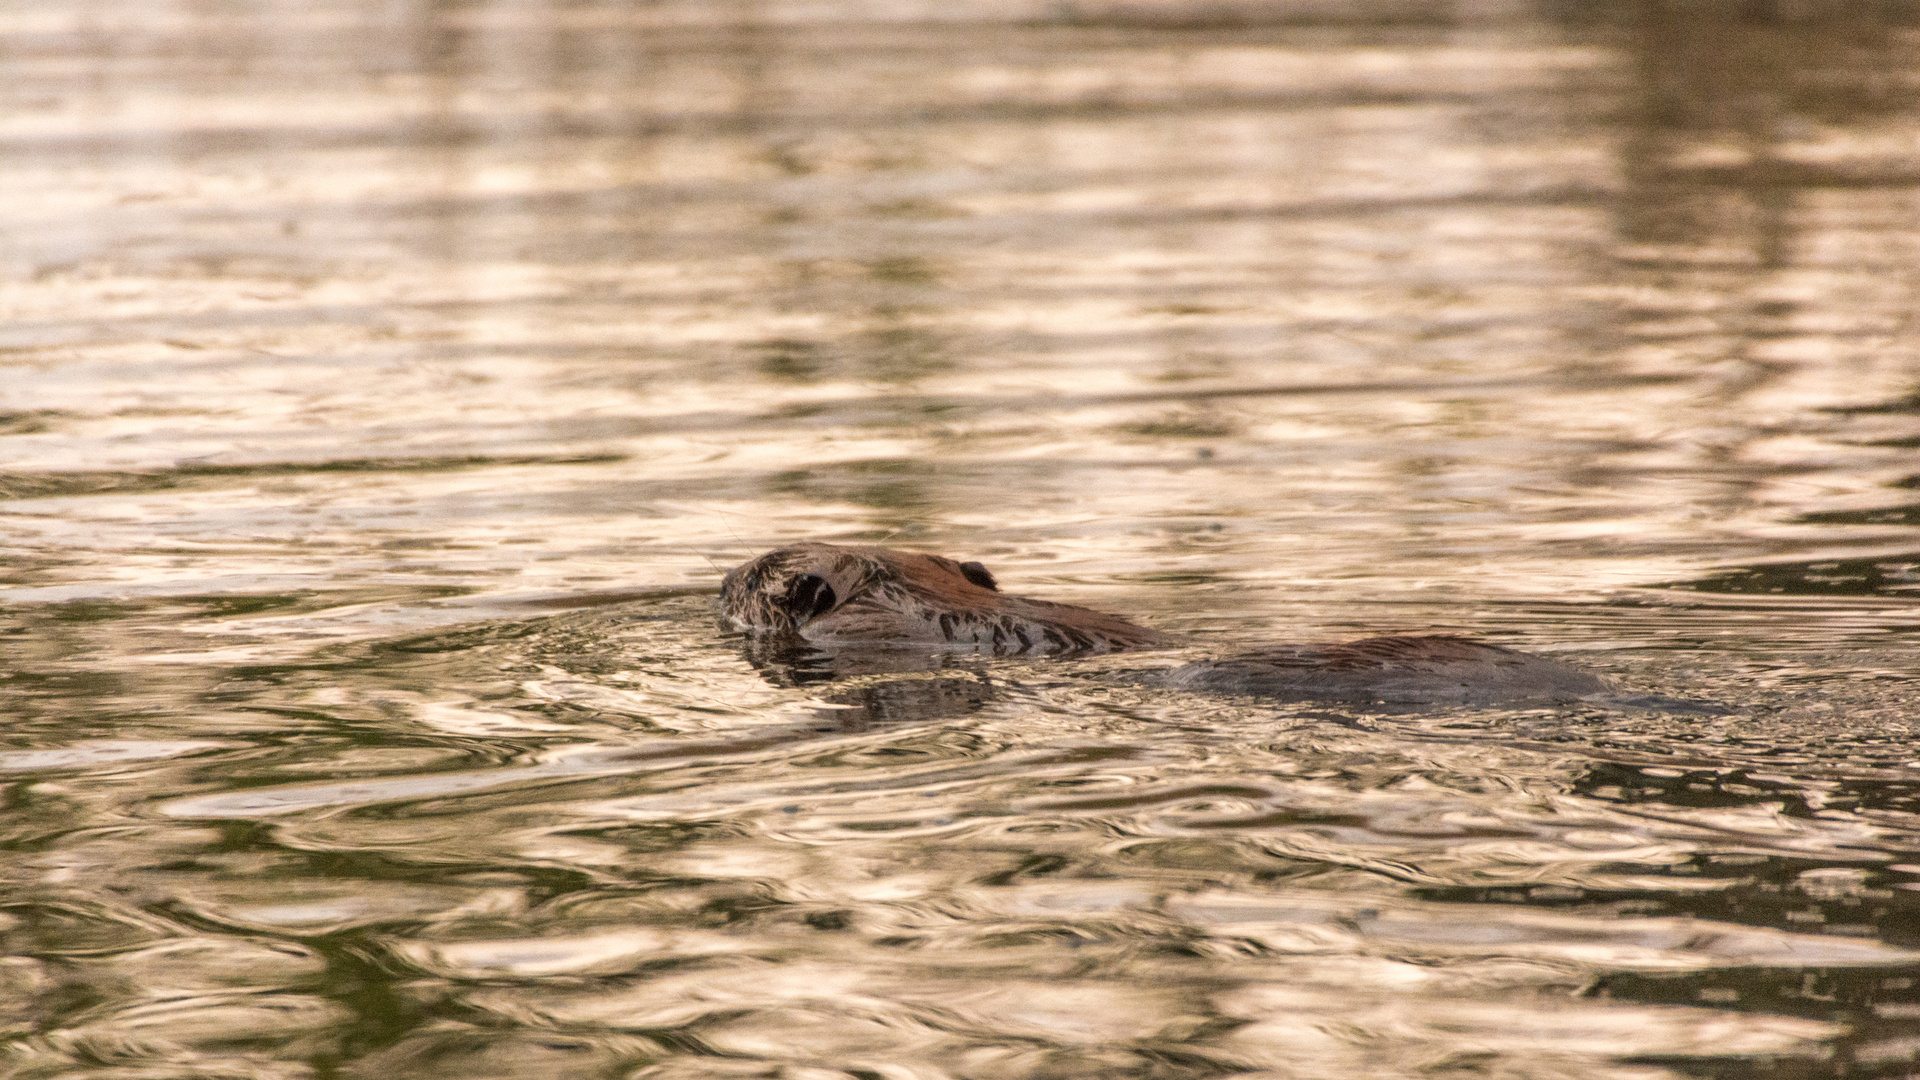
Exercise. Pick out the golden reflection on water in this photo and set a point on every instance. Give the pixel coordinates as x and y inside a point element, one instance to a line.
<point>384,388</point>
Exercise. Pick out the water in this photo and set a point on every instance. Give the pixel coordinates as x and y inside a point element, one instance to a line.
<point>386,386</point>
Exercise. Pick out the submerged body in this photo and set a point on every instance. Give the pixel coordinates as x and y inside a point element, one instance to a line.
<point>1394,668</point>
<point>836,596</point>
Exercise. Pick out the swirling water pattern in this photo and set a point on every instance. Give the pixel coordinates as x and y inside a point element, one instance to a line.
<point>385,386</point>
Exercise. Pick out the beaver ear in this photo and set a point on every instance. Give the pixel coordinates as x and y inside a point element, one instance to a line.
<point>809,596</point>
<point>979,575</point>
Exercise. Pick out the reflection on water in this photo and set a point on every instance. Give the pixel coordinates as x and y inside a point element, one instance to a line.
<point>386,386</point>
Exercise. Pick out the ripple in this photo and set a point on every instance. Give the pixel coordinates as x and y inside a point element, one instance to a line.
<point>96,756</point>
<point>387,390</point>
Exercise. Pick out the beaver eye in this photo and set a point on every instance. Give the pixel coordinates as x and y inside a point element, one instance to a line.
<point>979,575</point>
<point>809,596</point>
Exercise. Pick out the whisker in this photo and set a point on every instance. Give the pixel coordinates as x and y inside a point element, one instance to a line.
<point>722,514</point>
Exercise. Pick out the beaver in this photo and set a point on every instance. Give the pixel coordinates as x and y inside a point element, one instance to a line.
<point>842,596</point>
<point>828,594</point>
<point>1397,667</point>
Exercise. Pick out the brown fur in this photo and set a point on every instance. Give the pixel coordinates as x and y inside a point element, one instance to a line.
<point>827,594</point>
<point>834,595</point>
<point>1397,667</point>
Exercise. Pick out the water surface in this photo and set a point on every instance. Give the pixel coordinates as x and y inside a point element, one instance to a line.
<point>384,388</point>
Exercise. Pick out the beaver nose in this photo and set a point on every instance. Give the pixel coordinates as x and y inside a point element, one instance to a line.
<point>808,597</point>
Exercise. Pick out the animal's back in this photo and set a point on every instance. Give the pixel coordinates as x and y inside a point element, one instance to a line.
<point>1393,668</point>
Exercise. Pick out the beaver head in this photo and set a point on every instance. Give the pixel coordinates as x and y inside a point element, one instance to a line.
<point>833,595</point>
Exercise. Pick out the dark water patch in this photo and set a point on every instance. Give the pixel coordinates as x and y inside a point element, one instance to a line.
<point>1210,15</point>
<point>1860,995</point>
<point>1890,576</point>
<point>868,409</point>
<point>1853,892</point>
<point>1769,175</point>
<point>1875,1005</point>
<point>202,477</point>
<point>1181,426</point>
<point>1886,515</point>
<point>173,609</point>
<point>1730,786</point>
<point>1908,405</point>
<point>29,422</point>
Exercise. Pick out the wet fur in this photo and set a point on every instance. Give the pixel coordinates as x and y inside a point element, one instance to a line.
<point>830,594</point>
<point>1408,667</point>
<point>833,595</point>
